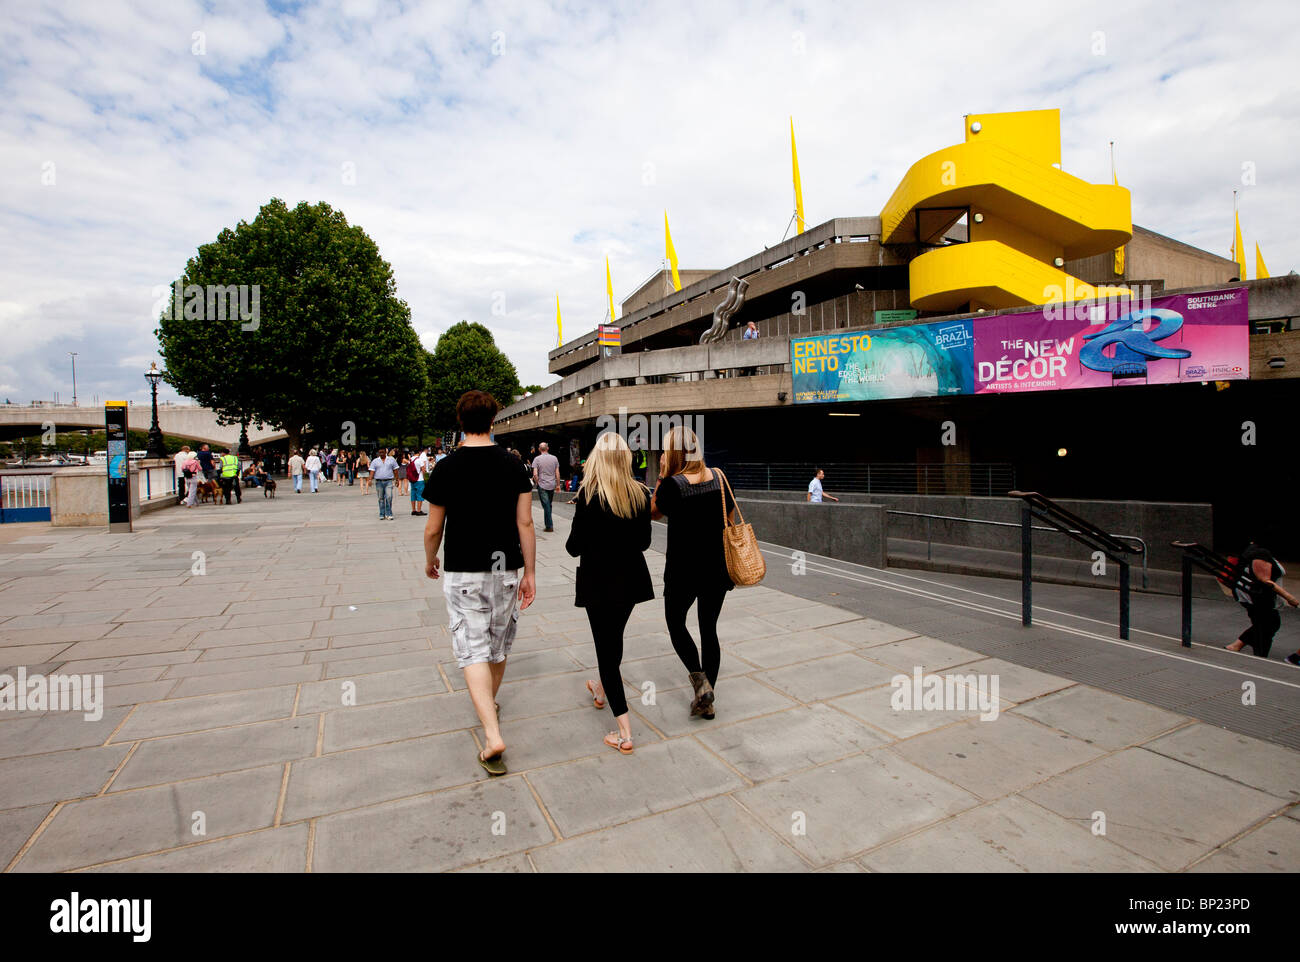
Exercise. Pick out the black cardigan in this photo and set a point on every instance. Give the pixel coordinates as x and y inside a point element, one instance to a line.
<point>611,553</point>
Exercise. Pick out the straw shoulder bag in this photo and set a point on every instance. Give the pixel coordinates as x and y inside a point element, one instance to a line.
<point>745,564</point>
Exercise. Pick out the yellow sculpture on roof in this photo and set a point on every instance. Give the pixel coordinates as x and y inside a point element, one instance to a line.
<point>1025,218</point>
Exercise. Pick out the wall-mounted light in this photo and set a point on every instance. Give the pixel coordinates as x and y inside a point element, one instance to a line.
<point>581,400</point>
<point>979,218</point>
<point>1277,363</point>
<point>781,396</point>
<point>844,414</point>
<point>975,127</point>
<point>1061,452</point>
<point>1059,261</point>
<point>555,409</point>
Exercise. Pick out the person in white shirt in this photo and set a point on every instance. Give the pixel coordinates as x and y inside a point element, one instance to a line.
<point>815,493</point>
<point>313,468</point>
<point>182,456</point>
<point>423,467</point>
<point>295,472</point>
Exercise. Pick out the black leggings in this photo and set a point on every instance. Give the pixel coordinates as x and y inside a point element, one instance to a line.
<point>1265,620</point>
<point>677,602</point>
<point>607,624</point>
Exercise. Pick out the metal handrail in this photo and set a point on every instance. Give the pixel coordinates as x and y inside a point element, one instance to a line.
<point>1217,565</point>
<point>1011,524</point>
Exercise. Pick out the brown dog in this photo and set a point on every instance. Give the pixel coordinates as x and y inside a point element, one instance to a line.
<point>208,492</point>
<point>268,488</point>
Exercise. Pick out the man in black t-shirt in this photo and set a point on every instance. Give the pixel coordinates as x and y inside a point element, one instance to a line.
<point>483,498</point>
<point>1265,592</point>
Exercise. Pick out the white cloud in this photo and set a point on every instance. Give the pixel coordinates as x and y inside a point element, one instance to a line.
<point>479,173</point>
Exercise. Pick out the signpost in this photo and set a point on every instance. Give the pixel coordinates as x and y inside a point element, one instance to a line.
<point>119,467</point>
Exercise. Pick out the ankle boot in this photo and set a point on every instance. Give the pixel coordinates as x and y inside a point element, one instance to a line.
<point>703,692</point>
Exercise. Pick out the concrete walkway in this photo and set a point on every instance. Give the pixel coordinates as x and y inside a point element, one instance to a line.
<point>282,697</point>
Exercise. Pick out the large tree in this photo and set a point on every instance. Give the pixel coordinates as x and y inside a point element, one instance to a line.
<point>331,343</point>
<point>467,358</point>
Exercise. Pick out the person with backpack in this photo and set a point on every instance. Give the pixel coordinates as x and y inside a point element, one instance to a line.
<point>692,497</point>
<point>1265,594</point>
<point>417,470</point>
<point>191,470</point>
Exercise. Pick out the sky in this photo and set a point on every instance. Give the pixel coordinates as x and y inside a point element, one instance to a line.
<point>498,152</point>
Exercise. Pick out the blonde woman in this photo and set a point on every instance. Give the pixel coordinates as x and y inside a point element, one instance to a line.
<point>609,536</point>
<point>695,566</point>
<point>363,470</point>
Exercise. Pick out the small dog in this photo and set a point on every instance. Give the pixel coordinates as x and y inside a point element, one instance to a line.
<point>268,488</point>
<point>208,492</point>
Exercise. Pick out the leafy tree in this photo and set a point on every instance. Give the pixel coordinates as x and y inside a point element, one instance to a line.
<point>331,343</point>
<point>532,388</point>
<point>467,358</point>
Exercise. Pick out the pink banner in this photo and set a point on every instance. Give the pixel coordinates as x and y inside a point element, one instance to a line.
<point>1173,339</point>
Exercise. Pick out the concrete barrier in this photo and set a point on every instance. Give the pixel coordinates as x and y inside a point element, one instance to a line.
<point>79,496</point>
<point>850,532</point>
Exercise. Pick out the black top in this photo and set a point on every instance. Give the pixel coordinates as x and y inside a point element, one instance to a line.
<point>205,460</point>
<point>479,487</point>
<point>695,555</point>
<point>612,569</point>
<point>1260,593</point>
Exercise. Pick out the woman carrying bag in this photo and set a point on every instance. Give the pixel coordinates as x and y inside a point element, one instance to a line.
<point>609,535</point>
<point>697,505</point>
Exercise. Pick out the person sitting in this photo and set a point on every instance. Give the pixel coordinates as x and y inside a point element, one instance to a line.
<point>254,474</point>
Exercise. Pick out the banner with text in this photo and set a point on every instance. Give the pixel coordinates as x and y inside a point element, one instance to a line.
<point>1167,340</point>
<point>923,360</point>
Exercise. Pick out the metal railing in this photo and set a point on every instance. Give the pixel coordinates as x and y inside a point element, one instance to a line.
<point>1035,505</point>
<point>1228,574</point>
<point>879,478</point>
<point>25,496</point>
<point>1142,545</point>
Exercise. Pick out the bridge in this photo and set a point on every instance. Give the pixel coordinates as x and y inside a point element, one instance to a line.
<point>189,421</point>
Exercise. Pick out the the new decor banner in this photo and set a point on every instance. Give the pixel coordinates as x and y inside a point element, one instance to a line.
<point>1165,340</point>
<point>923,360</point>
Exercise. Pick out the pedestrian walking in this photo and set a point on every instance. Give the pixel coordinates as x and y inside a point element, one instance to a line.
<point>229,479</point>
<point>546,474</point>
<point>382,469</point>
<point>191,471</point>
<point>296,465</point>
<point>206,462</point>
<point>421,468</point>
<point>1266,595</point>
<point>313,466</point>
<point>182,458</point>
<point>481,499</point>
<point>363,470</point>
<point>609,535</point>
<point>690,495</point>
<point>815,492</point>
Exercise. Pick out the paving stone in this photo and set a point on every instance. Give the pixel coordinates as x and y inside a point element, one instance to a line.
<point>179,757</point>
<point>1100,718</point>
<point>273,850</point>
<point>370,689</point>
<point>57,776</point>
<point>1017,683</point>
<point>875,707</point>
<point>231,652</point>
<point>797,738</point>
<point>433,833</point>
<point>780,650</point>
<point>930,654</point>
<point>1270,768</point>
<point>507,864</point>
<point>525,665</point>
<point>828,677</point>
<point>245,680</point>
<point>992,758</point>
<point>209,711</point>
<point>1273,847</point>
<point>356,667</point>
<point>716,835</point>
<point>57,731</point>
<point>1143,796</point>
<point>577,733</point>
<point>363,776</point>
<point>358,652</point>
<point>135,823</point>
<point>372,725</point>
<point>139,693</point>
<point>1009,835</point>
<point>828,803</point>
<point>611,788</point>
<point>16,828</point>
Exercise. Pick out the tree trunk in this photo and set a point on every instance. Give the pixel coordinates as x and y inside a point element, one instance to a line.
<point>294,434</point>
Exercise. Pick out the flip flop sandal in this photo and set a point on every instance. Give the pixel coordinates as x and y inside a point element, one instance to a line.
<point>618,742</point>
<point>596,700</point>
<point>496,765</point>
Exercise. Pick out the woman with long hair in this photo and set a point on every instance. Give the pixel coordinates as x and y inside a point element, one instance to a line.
<point>363,468</point>
<point>689,495</point>
<point>609,535</point>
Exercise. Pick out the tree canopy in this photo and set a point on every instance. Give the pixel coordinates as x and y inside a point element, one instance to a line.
<point>467,358</point>
<point>330,343</point>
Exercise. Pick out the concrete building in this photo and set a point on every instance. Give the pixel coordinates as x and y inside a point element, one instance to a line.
<point>1224,442</point>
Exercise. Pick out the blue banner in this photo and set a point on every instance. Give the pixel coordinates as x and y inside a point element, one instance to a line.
<point>922,360</point>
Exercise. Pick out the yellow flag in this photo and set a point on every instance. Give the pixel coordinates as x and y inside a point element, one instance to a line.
<point>1238,254</point>
<point>609,286</point>
<point>1260,269</point>
<point>798,187</point>
<point>671,254</point>
<point>1119,251</point>
<point>559,328</point>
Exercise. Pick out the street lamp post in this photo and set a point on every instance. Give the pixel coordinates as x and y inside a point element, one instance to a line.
<point>73,355</point>
<point>155,447</point>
